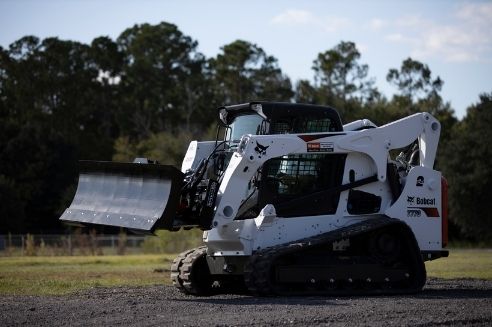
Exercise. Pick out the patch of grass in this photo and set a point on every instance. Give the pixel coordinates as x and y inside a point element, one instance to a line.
<point>462,263</point>
<point>62,275</point>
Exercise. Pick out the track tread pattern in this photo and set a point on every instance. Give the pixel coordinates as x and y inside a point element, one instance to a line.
<point>258,271</point>
<point>181,266</point>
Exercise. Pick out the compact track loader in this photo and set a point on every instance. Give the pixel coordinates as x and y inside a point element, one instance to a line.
<point>291,202</point>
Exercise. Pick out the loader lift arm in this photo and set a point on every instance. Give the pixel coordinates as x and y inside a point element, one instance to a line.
<point>375,143</point>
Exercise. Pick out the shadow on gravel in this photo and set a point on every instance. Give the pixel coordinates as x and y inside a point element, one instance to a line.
<point>265,300</point>
<point>445,294</point>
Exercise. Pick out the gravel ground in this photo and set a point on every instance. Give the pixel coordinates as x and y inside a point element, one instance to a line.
<point>443,302</point>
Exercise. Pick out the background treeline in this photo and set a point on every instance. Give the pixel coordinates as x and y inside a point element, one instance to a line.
<point>150,91</point>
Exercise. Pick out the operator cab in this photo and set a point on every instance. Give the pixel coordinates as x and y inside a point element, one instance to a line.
<point>283,180</point>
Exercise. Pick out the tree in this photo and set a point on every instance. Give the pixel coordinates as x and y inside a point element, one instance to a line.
<point>305,92</point>
<point>108,61</point>
<point>243,72</point>
<point>467,168</point>
<point>52,114</point>
<point>420,92</point>
<point>338,72</point>
<point>340,81</point>
<point>162,81</point>
<point>414,80</point>
<point>165,147</point>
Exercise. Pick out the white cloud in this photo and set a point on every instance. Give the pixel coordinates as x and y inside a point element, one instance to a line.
<point>293,17</point>
<point>410,21</point>
<point>467,38</point>
<point>333,24</point>
<point>296,17</point>
<point>362,47</point>
<point>377,24</point>
<point>395,37</point>
<point>480,14</point>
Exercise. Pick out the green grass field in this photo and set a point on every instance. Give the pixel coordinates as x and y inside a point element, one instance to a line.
<point>462,263</point>
<point>62,275</point>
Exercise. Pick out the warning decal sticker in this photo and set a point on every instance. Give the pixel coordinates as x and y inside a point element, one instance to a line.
<point>320,147</point>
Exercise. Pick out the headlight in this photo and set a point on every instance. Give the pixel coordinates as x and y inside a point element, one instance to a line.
<point>241,149</point>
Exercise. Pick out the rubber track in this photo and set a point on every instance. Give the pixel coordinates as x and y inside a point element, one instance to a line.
<point>177,267</point>
<point>193,284</point>
<point>257,274</point>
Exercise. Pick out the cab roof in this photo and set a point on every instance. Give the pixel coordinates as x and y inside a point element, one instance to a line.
<point>275,110</point>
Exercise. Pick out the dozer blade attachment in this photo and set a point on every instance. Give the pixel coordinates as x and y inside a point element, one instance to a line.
<point>137,196</point>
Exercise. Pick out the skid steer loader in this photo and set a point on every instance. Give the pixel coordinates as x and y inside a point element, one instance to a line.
<point>291,202</point>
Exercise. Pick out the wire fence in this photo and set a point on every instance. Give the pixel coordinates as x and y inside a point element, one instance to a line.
<point>70,244</point>
<point>79,243</point>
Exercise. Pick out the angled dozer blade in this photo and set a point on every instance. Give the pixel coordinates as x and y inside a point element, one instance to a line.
<point>137,196</point>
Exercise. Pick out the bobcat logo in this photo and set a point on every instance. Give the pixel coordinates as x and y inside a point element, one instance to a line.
<point>410,199</point>
<point>261,149</point>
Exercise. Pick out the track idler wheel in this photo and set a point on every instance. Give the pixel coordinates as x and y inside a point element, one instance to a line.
<point>385,247</point>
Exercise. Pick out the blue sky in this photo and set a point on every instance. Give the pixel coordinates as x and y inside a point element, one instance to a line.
<point>453,37</point>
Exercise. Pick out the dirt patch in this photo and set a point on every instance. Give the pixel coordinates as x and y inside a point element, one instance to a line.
<point>443,302</point>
